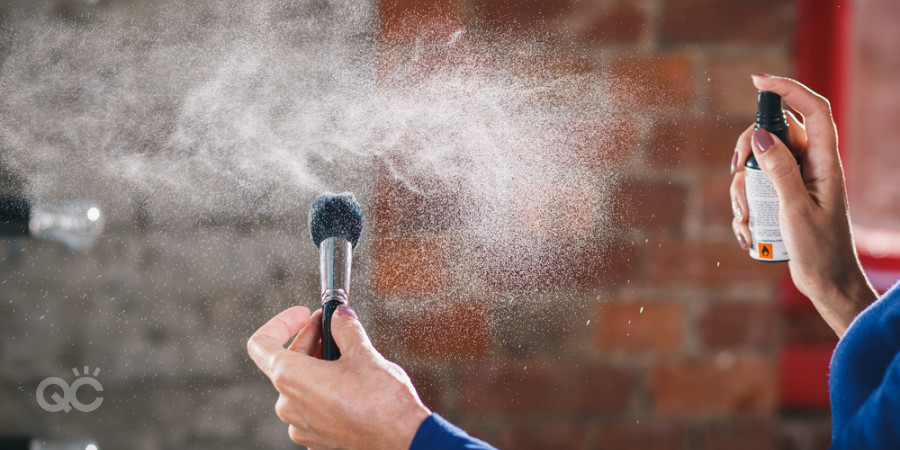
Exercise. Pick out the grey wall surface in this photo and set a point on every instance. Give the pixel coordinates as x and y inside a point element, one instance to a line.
<point>165,303</point>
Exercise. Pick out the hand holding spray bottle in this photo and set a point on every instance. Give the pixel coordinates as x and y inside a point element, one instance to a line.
<point>762,200</point>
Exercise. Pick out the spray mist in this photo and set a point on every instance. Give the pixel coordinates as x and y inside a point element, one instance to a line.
<point>762,199</point>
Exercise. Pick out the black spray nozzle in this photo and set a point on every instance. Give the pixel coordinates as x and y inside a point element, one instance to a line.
<point>769,103</point>
<point>332,215</point>
<point>769,107</point>
<point>770,115</point>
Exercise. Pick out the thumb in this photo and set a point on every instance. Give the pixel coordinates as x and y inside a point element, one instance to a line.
<point>779,165</point>
<point>348,332</point>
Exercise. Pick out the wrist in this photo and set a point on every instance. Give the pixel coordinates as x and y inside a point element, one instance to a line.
<point>845,299</point>
<point>410,425</point>
<point>859,292</point>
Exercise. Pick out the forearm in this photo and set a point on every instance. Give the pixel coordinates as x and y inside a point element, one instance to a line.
<point>844,300</point>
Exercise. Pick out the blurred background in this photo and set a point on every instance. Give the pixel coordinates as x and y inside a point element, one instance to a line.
<point>612,309</point>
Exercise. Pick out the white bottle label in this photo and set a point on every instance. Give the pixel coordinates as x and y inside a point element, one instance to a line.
<point>765,233</point>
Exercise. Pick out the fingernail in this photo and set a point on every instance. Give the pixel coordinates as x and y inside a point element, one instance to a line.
<point>742,242</point>
<point>734,160</point>
<point>346,311</point>
<point>737,212</point>
<point>763,140</point>
<point>762,75</point>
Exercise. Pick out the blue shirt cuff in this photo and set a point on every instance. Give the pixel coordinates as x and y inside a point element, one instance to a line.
<point>436,433</point>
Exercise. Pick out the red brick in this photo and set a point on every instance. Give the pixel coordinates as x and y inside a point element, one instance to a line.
<point>639,326</point>
<point>715,204</point>
<point>604,389</point>
<point>523,15</point>
<point>544,207</point>
<point>556,63</point>
<point>694,142</point>
<point>543,435</point>
<point>404,265</point>
<point>403,65</point>
<point>673,261</point>
<point>739,325</point>
<point>727,385</point>
<point>602,144</point>
<point>813,432</point>
<point>651,82</point>
<point>599,264</point>
<point>526,327</point>
<point>429,386</point>
<point>423,205</point>
<point>460,329</point>
<point>807,327</point>
<point>535,214</point>
<point>730,89</point>
<point>742,435</point>
<point>406,19</point>
<point>640,435</point>
<point>610,21</point>
<point>526,387</point>
<point>522,264</point>
<point>717,21</point>
<point>650,204</point>
<point>515,264</point>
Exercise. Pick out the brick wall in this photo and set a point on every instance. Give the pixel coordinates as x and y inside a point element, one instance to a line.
<point>673,339</point>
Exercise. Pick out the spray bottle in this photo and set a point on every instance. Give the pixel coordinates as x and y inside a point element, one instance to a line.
<point>762,199</point>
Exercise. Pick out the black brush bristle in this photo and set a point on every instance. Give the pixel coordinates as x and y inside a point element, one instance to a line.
<point>332,215</point>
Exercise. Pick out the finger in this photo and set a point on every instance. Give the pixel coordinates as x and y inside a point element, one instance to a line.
<point>796,133</point>
<point>741,233</point>
<point>779,165</point>
<point>307,341</point>
<point>739,198</point>
<point>285,410</point>
<point>348,332</point>
<point>740,211</point>
<point>816,110</point>
<point>268,340</point>
<point>741,151</point>
<point>297,436</point>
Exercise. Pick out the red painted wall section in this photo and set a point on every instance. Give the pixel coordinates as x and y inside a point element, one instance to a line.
<point>827,50</point>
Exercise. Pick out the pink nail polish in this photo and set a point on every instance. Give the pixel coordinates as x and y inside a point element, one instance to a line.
<point>763,140</point>
<point>734,160</point>
<point>346,311</point>
<point>742,242</point>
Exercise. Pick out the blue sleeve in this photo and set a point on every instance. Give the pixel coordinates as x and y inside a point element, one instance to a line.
<point>876,424</point>
<point>864,382</point>
<point>436,433</point>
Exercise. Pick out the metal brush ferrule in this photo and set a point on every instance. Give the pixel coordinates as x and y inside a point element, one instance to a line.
<point>335,258</point>
<point>335,294</point>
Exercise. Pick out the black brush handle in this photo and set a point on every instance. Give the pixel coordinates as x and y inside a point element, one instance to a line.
<point>330,351</point>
